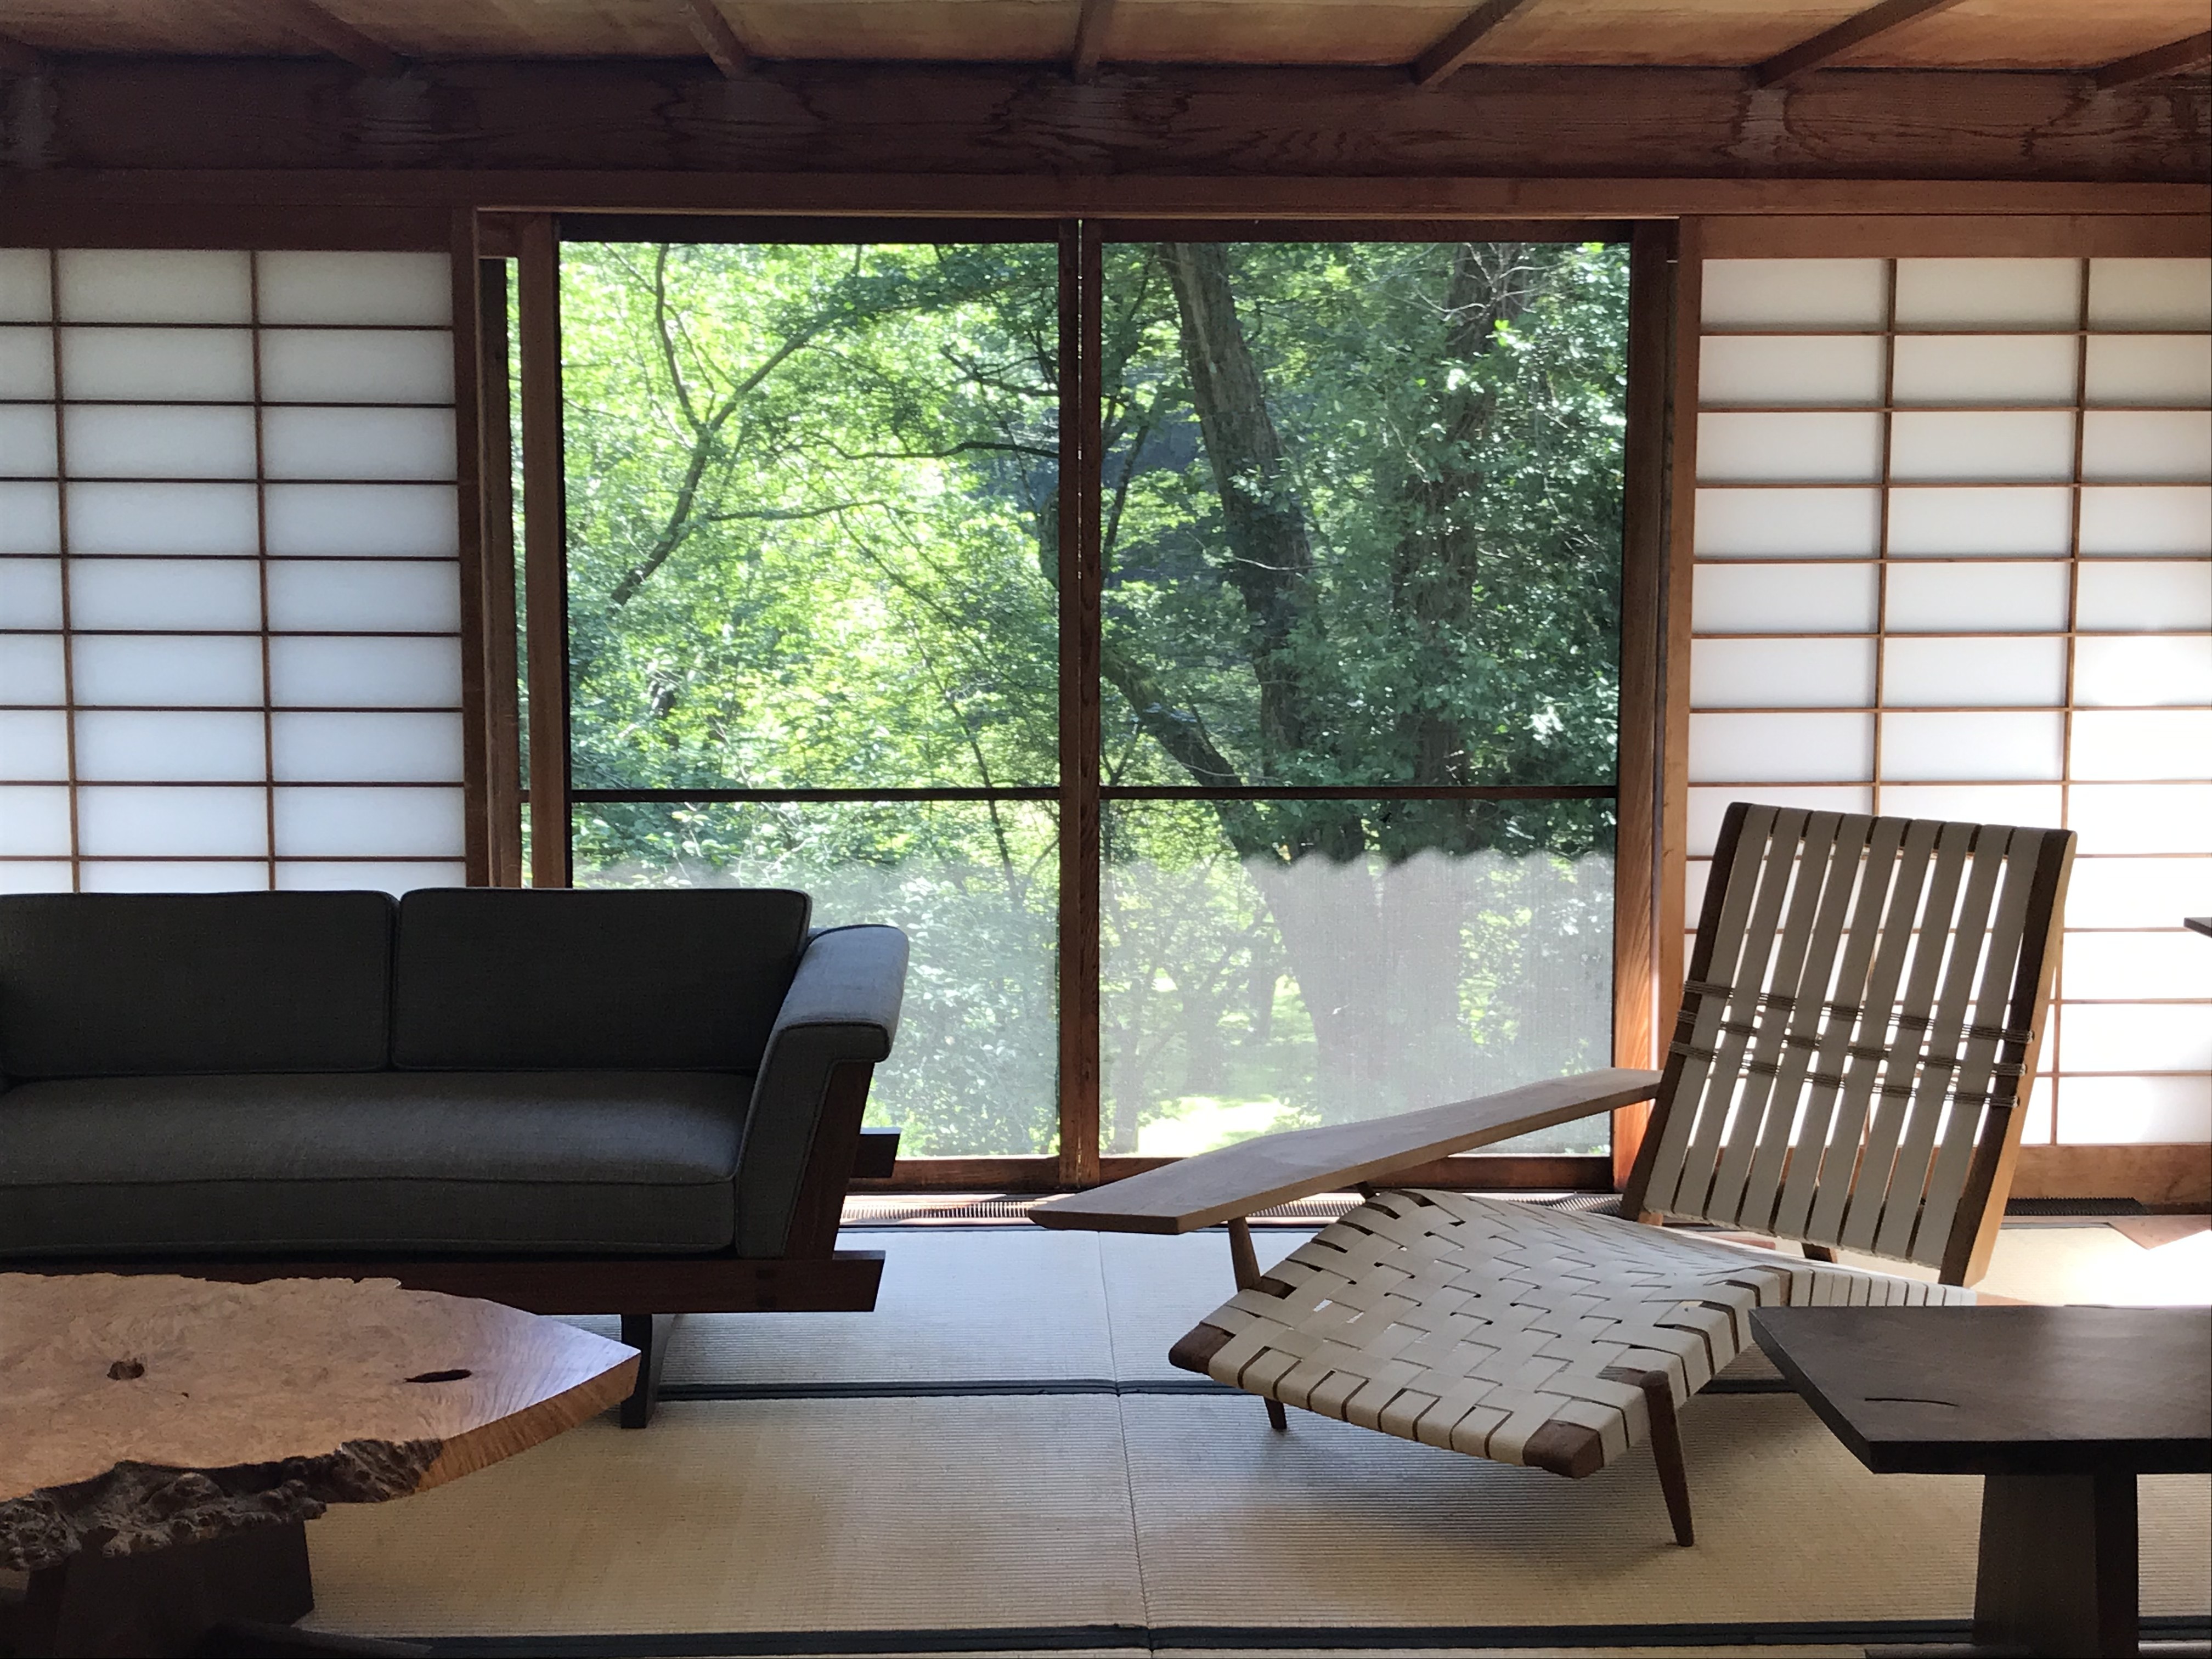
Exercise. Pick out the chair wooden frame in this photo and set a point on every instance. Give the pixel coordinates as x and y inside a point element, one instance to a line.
<point>1862,1011</point>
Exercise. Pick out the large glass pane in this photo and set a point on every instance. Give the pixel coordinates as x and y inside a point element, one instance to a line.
<point>811,514</point>
<point>1254,981</point>
<point>975,884</point>
<point>1362,515</point>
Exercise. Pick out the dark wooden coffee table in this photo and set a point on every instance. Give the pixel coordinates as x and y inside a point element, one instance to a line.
<point>163,1440</point>
<point>2058,1409</point>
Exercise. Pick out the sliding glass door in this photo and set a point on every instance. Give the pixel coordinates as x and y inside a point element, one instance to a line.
<point>1284,574</point>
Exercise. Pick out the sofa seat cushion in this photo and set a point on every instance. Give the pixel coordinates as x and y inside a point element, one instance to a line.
<point>525,1160</point>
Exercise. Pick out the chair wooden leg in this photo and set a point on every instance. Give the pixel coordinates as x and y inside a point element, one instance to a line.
<point>648,1334</point>
<point>1667,1452</point>
<point>1246,1264</point>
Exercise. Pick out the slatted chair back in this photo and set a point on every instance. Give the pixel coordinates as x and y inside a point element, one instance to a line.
<point>1861,1010</point>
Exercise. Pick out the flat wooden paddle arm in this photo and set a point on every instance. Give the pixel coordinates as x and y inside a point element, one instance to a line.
<point>1235,1180</point>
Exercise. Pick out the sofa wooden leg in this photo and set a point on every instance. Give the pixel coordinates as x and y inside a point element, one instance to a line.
<point>648,1334</point>
<point>1667,1451</point>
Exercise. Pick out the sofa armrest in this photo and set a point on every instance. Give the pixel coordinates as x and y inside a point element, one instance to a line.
<point>841,1011</point>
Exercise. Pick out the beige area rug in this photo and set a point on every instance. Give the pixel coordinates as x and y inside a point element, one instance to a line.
<point>999,1459</point>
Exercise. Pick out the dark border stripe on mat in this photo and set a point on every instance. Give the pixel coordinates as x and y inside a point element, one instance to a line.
<point>986,1388</point>
<point>1077,1638</point>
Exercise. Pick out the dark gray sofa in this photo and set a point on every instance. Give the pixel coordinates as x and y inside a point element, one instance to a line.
<point>634,1101</point>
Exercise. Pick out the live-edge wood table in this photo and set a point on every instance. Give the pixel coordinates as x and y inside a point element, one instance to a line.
<point>2057,1409</point>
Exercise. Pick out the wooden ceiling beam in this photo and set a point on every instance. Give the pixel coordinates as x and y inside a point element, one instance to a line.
<point>2175,59</point>
<point>16,58</point>
<point>712,30</point>
<point>1831,44</point>
<point>1090,38</point>
<point>1457,45</point>
<point>327,31</point>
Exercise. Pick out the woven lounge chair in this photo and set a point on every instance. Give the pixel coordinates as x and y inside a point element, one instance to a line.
<point>1863,1003</point>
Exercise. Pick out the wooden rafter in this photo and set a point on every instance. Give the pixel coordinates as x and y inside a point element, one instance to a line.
<point>1090,38</point>
<point>1457,45</point>
<point>16,58</point>
<point>1853,31</point>
<point>327,31</point>
<point>2174,58</point>
<point>712,30</point>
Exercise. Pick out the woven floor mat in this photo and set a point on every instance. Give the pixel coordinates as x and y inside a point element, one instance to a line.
<point>1057,1512</point>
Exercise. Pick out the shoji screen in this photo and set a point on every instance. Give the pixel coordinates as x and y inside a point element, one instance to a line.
<point>228,588</point>
<point>1954,558</point>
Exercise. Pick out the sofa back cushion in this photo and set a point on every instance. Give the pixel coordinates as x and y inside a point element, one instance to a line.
<point>141,984</point>
<point>683,980</point>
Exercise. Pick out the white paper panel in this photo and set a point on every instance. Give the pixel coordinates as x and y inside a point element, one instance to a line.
<point>26,363</point>
<point>2035,1131</point>
<point>137,747</point>
<point>319,671</point>
<point>23,878</point>
<point>2137,892</point>
<point>369,823</point>
<point>407,596</point>
<point>2150,368</point>
<point>157,364</point>
<point>34,745</point>
<point>1977,599</point>
<point>2135,1110</point>
<point>25,286</point>
<point>2164,743</point>
<point>1708,807</point>
<point>2165,446</point>
<point>2175,672</point>
<point>2170,598</point>
<point>1785,748</point>
<point>1941,672</point>
<point>364,520</point>
<point>2001,369</point>
<point>2137,967</point>
<point>2141,818</point>
<point>173,822</point>
<point>1988,294</point>
<point>150,442</point>
<point>34,822</point>
<point>2150,519</point>
<point>182,594</point>
<point>2135,1038</point>
<point>2024,446</point>
<point>2150,294</point>
<point>2042,805</point>
<point>31,669</point>
<point>358,443</point>
<point>162,518</point>
<point>30,518</point>
<point>30,593</point>
<point>154,875</point>
<point>321,876</point>
<point>131,285</point>
<point>214,671</point>
<point>1816,449</point>
<point>1766,524</point>
<point>1996,748</point>
<point>1782,674</point>
<point>345,366</point>
<point>26,440</point>
<point>356,288</point>
<point>369,748</point>
<point>1696,872</point>
<point>1795,294</point>
<point>1817,369</point>
<point>1810,599</point>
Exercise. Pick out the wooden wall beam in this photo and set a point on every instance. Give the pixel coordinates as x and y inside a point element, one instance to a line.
<point>330,32</point>
<point>2176,58</point>
<point>1090,38</point>
<point>1854,31</point>
<point>964,129</point>
<point>1456,45</point>
<point>16,58</point>
<point>716,38</point>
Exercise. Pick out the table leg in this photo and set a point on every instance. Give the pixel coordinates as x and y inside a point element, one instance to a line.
<point>2057,1570</point>
<point>1244,1262</point>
